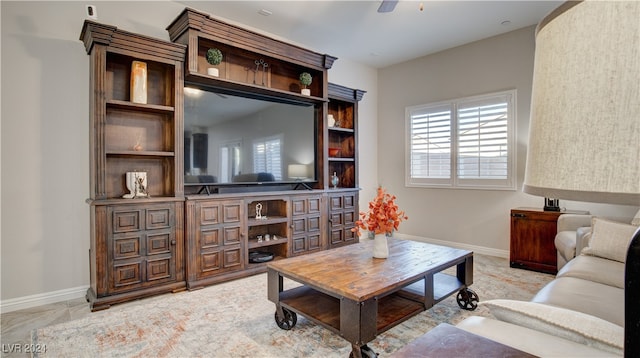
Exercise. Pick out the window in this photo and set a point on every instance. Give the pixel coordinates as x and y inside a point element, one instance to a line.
<point>267,157</point>
<point>229,161</point>
<point>463,143</point>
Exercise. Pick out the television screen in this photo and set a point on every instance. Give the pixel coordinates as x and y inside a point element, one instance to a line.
<point>234,140</point>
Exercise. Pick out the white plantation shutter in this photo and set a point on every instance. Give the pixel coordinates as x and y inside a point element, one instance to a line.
<point>267,156</point>
<point>430,142</point>
<point>473,135</point>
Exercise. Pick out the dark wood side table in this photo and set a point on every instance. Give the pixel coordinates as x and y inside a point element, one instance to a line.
<point>532,234</point>
<point>446,340</point>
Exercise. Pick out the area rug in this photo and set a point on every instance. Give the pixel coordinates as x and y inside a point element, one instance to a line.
<point>235,319</point>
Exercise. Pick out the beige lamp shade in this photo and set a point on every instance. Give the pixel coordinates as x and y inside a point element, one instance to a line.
<point>584,135</point>
<point>297,171</point>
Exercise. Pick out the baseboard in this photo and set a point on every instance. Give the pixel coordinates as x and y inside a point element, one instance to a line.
<point>476,249</point>
<point>40,299</point>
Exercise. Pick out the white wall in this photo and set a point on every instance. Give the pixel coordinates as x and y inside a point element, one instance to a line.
<point>473,218</point>
<point>45,140</point>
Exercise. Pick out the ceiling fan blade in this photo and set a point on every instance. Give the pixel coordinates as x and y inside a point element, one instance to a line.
<point>387,5</point>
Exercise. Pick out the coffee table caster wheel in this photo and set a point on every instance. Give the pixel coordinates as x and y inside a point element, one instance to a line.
<point>289,321</point>
<point>365,352</point>
<point>467,299</point>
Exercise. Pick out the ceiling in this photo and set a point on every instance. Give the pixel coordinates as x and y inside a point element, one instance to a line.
<point>354,30</point>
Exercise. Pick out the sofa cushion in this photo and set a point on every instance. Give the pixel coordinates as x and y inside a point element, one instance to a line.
<point>560,322</point>
<point>609,239</point>
<point>528,340</point>
<point>597,269</point>
<point>588,297</point>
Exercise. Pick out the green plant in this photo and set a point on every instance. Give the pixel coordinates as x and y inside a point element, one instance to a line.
<point>305,79</point>
<point>214,56</point>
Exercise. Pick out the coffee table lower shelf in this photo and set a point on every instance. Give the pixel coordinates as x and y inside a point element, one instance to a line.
<point>395,308</point>
<point>324,309</point>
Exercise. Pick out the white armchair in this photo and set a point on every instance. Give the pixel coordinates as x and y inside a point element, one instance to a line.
<point>573,232</point>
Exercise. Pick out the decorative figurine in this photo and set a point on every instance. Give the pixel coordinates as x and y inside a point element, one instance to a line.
<point>137,184</point>
<point>259,211</point>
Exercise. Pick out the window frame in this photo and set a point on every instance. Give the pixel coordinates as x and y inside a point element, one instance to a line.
<point>454,181</point>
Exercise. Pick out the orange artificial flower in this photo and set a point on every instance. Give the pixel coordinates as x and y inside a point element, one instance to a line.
<point>383,216</point>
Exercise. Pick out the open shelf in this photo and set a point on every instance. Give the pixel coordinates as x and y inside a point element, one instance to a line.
<point>254,244</point>
<point>325,310</point>
<point>268,221</point>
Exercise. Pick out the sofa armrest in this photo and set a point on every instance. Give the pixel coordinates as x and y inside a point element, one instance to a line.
<point>583,234</point>
<point>571,222</point>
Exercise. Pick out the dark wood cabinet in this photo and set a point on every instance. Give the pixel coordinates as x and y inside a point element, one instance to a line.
<point>137,245</point>
<point>136,250</point>
<point>166,242</point>
<point>532,239</point>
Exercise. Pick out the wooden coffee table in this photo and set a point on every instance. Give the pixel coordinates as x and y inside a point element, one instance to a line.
<point>358,297</point>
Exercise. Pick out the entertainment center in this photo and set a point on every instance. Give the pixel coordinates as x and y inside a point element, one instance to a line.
<point>201,212</point>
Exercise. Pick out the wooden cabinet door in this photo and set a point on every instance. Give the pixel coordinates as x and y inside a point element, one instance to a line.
<point>141,246</point>
<point>532,240</point>
<point>215,238</point>
<point>343,213</point>
<point>306,225</point>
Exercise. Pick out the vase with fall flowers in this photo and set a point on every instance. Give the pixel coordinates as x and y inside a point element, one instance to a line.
<point>382,219</point>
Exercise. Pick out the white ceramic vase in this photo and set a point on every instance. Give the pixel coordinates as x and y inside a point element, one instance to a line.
<point>212,71</point>
<point>306,91</point>
<point>380,246</point>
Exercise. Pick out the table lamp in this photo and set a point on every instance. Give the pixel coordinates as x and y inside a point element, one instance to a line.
<point>584,134</point>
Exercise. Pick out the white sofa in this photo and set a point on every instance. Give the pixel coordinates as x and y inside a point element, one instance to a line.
<point>582,311</point>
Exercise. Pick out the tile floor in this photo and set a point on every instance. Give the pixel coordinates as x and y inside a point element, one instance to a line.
<point>17,325</point>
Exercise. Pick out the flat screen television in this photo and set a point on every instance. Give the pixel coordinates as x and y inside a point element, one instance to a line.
<point>235,141</point>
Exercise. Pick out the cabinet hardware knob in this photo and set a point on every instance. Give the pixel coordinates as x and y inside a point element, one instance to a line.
<point>173,242</point>
<point>518,215</point>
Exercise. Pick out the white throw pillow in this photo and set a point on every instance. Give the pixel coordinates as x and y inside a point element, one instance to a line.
<point>609,239</point>
<point>561,322</point>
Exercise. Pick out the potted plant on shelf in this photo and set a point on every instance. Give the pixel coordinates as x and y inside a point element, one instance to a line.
<point>382,219</point>
<point>305,80</point>
<point>214,57</point>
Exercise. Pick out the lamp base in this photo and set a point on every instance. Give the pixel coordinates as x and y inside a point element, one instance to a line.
<point>551,204</point>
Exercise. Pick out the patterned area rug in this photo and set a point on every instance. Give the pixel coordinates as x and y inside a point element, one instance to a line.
<point>235,319</point>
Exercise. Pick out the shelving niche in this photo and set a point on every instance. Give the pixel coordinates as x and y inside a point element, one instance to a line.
<point>343,106</point>
<point>274,222</point>
<point>244,55</point>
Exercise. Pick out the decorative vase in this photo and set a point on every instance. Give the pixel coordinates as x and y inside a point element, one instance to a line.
<point>306,92</point>
<point>213,71</point>
<point>335,180</point>
<point>380,246</point>
<point>139,82</point>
